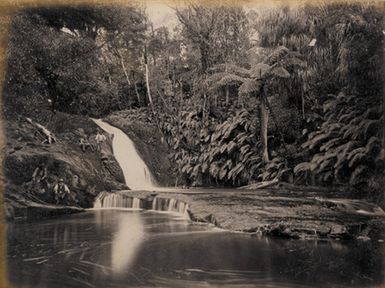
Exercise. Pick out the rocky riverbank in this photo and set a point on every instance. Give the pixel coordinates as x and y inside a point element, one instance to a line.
<point>282,212</point>
<point>86,173</point>
<point>20,210</point>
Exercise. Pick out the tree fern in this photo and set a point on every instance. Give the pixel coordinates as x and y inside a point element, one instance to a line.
<point>250,86</point>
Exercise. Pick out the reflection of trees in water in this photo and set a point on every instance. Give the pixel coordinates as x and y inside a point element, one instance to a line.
<point>133,247</point>
<point>353,263</point>
<point>278,260</point>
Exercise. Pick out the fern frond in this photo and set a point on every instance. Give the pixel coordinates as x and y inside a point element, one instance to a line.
<point>219,80</point>
<point>260,70</point>
<point>303,167</point>
<point>230,68</point>
<point>257,54</point>
<point>250,86</point>
<point>294,61</point>
<point>231,79</point>
<point>277,55</point>
<point>216,77</point>
<point>280,72</point>
<point>357,174</point>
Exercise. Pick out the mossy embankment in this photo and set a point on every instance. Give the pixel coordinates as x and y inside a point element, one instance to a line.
<point>83,172</point>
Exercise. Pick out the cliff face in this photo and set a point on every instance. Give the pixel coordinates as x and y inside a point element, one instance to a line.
<point>86,173</point>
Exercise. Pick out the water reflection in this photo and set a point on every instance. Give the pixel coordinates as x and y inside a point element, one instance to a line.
<point>123,248</point>
<point>126,241</point>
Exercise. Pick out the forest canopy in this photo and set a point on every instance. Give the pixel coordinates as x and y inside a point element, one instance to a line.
<point>240,95</point>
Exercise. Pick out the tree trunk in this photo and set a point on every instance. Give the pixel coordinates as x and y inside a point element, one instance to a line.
<point>136,88</point>
<point>147,78</point>
<point>148,85</point>
<point>264,118</point>
<point>153,50</point>
<point>124,68</point>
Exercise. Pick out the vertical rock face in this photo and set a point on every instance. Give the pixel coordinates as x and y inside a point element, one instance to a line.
<point>86,173</point>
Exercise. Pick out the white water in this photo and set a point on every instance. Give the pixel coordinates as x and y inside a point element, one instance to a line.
<point>116,200</point>
<point>136,173</point>
<point>170,205</point>
<point>123,200</point>
<point>137,176</point>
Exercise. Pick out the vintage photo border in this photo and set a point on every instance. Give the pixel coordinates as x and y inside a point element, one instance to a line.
<point>9,7</point>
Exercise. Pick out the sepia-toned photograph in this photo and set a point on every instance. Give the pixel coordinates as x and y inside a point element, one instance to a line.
<point>192,144</point>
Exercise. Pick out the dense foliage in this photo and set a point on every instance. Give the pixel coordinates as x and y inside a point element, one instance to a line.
<point>67,59</point>
<point>346,148</point>
<point>240,96</point>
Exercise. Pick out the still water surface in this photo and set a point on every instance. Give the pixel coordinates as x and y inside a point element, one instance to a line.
<point>111,248</point>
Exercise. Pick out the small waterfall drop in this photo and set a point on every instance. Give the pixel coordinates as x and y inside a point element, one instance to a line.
<point>136,203</point>
<point>107,200</point>
<point>170,205</point>
<point>117,200</point>
<point>136,173</point>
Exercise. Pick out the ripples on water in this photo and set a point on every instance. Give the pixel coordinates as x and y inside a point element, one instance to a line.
<point>129,248</point>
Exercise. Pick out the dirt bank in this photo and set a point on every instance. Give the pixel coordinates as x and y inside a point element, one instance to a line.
<point>84,173</point>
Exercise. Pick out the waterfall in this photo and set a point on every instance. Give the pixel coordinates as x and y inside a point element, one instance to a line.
<point>137,176</point>
<point>106,200</point>
<point>136,203</point>
<point>117,200</point>
<point>136,173</point>
<point>170,205</point>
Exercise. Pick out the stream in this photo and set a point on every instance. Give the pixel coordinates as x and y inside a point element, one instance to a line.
<point>118,244</point>
<point>123,248</point>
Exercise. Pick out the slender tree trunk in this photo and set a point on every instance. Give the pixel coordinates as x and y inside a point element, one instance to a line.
<point>264,119</point>
<point>148,85</point>
<point>147,72</point>
<point>147,78</point>
<point>153,50</point>
<point>124,68</point>
<point>136,88</point>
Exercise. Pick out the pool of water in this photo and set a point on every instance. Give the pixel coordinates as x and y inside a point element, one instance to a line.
<point>111,248</point>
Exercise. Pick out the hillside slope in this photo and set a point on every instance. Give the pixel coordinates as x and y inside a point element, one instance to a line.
<point>85,173</point>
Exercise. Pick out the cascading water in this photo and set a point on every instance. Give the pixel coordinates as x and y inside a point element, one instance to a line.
<point>136,203</point>
<point>106,200</point>
<point>136,173</point>
<point>117,200</point>
<point>137,176</point>
<point>170,205</point>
